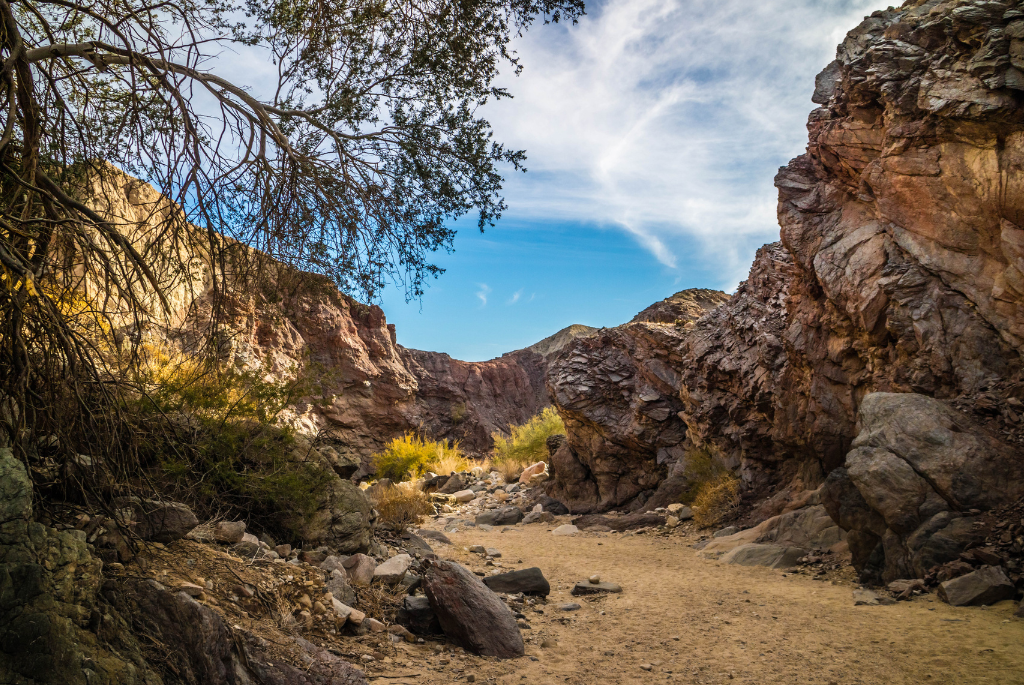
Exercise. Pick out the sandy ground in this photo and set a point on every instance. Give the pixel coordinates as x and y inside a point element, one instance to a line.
<point>699,621</point>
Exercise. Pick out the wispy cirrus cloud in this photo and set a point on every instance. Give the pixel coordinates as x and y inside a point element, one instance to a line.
<point>668,118</point>
<point>515,297</point>
<point>482,293</point>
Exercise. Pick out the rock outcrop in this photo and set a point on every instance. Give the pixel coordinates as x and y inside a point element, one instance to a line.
<point>911,488</point>
<point>900,270</point>
<point>54,625</point>
<point>617,392</point>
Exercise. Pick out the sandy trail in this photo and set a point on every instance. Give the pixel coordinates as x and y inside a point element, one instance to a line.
<point>698,621</point>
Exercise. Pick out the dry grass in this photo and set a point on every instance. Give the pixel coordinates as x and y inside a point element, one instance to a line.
<point>449,461</point>
<point>525,444</point>
<point>410,456</point>
<point>401,507</point>
<point>715,499</point>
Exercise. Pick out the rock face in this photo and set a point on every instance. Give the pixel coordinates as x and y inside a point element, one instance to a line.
<point>916,468</point>
<point>54,627</point>
<point>900,270</point>
<point>468,401</point>
<point>617,392</point>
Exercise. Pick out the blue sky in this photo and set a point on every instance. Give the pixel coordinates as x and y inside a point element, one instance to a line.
<point>654,129</point>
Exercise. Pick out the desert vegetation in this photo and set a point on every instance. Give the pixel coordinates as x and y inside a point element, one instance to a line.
<point>525,444</point>
<point>410,456</point>
<point>400,506</point>
<point>713,489</point>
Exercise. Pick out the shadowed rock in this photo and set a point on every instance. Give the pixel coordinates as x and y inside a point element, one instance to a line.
<point>530,581</point>
<point>470,613</point>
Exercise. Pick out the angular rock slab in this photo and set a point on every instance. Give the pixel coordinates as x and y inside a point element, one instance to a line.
<point>987,585</point>
<point>505,516</point>
<point>470,613</point>
<point>435,535</point>
<point>587,588</point>
<point>529,581</point>
<point>772,556</point>
<point>360,568</point>
<point>392,571</point>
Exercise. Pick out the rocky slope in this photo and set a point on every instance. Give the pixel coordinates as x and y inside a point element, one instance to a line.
<point>899,271</point>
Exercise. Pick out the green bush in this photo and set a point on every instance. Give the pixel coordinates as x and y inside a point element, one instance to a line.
<point>212,438</point>
<point>410,456</point>
<point>525,444</point>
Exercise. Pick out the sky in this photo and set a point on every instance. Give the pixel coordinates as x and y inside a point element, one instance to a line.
<point>653,129</point>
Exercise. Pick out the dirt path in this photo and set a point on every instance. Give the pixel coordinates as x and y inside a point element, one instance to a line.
<point>698,621</point>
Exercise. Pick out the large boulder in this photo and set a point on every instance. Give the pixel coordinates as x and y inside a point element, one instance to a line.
<point>915,471</point>
<point>470,614</point>
<point>505,516</point>
<point>987,585</point>
<point>778,542</point>
<point>342,522</point>
<point>163,521</point>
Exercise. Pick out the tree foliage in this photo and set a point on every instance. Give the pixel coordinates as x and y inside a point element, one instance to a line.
<point>347,148</point>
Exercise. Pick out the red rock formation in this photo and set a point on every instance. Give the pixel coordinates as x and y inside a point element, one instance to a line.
<point>901,269</point>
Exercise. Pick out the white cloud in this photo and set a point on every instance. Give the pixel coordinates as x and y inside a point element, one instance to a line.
<point>515,297</point>
<point>668,118</point>
<point>482,293</point>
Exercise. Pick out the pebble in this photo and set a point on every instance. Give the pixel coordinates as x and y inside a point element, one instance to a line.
<point>492,552</point>
<point>567,529</point>
<point>478,549</point>
<point>595,579</point>
<point>646,667</point>
<point>572,606</point>
<point>548,643</point>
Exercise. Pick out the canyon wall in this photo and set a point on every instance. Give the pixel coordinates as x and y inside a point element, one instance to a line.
<point>900,270</point>
<point>363,388</point>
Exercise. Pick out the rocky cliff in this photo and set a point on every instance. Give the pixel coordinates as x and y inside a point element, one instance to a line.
<point>617,392</point>
<point>899,271</point>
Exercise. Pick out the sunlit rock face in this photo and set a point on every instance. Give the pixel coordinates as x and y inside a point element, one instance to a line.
<point>899,270</point>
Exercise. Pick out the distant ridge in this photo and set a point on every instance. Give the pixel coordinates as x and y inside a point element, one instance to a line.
<point>556,343</point>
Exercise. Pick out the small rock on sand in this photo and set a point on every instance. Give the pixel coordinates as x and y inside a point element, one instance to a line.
<point>567,529</point>
<point>589,588</point>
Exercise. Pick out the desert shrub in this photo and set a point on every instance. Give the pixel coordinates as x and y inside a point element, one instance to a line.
<point>410,456</point>
<point>712,489</point>
<point>449,460</point>
<point>400,507</point>
<point>211,438</point>
<point>525,444</point>
<point>715,500</point>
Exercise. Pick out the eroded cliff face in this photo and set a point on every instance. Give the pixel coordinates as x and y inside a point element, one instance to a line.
<point>364,388</point>
<point>617,392</point>
<point>370,389</point>
<point>899,271</point>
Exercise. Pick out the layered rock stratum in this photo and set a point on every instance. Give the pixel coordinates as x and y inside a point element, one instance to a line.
<point>900,270</point>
